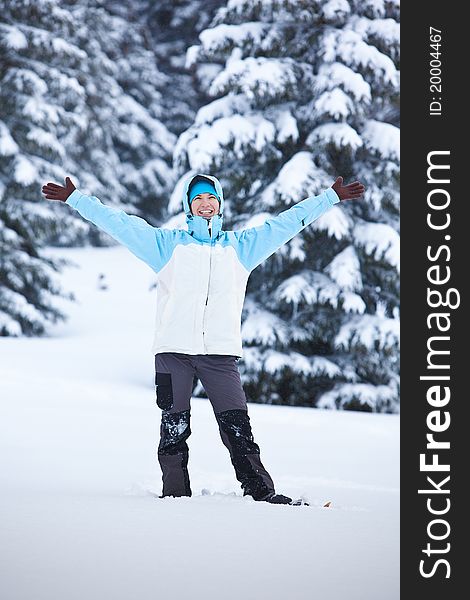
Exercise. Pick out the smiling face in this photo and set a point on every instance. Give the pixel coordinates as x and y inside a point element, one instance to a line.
<point>205,205</point>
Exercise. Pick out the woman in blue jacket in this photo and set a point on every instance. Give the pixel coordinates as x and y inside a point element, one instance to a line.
<point>202,273</point>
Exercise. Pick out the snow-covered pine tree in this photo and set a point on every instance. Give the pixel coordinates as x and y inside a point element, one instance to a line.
<point>170,27</point>
<point>79,96</point>
<point>302,92</point>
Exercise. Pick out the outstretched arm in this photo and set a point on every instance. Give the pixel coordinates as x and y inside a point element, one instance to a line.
<point>150,244</point>
<point>256,244</point>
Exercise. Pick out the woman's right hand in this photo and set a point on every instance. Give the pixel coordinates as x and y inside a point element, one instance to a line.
<point>53,191</point>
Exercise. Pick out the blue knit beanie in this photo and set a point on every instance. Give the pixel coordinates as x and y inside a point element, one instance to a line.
<point>201,187</point>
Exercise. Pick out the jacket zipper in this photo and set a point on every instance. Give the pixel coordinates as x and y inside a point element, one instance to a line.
<point>209,225</point>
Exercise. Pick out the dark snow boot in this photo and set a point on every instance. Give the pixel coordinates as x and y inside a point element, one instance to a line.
<point>274,498</point>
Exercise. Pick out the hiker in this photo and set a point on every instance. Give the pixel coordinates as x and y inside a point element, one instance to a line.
<point>202,273</point>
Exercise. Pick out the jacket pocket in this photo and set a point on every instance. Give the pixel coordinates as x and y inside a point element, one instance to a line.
<point>164,390</point>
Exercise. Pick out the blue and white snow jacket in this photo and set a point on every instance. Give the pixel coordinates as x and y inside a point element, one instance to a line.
<point>201,276</point>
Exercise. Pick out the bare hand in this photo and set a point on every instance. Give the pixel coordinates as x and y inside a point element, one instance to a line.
<point>52,191</point>
<point>352,191</point>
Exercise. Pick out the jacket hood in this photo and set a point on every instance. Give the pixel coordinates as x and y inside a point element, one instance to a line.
<point>199,226</point>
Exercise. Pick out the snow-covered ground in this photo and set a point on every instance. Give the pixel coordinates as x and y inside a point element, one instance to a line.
<point>79,476</point>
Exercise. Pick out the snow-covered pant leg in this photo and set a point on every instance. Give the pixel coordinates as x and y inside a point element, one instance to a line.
<point>174,374</point>
<point>173,453</point>
<point>221,379</point>
<point>236,434</point>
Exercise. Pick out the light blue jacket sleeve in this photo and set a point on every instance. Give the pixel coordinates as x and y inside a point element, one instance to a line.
<point>151,244</point>
<point>256,244</point>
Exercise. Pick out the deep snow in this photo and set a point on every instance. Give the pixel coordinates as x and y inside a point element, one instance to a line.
<point>79,476</point>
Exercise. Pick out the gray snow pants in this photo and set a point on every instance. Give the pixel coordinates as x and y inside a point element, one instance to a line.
<point>174,373</point>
